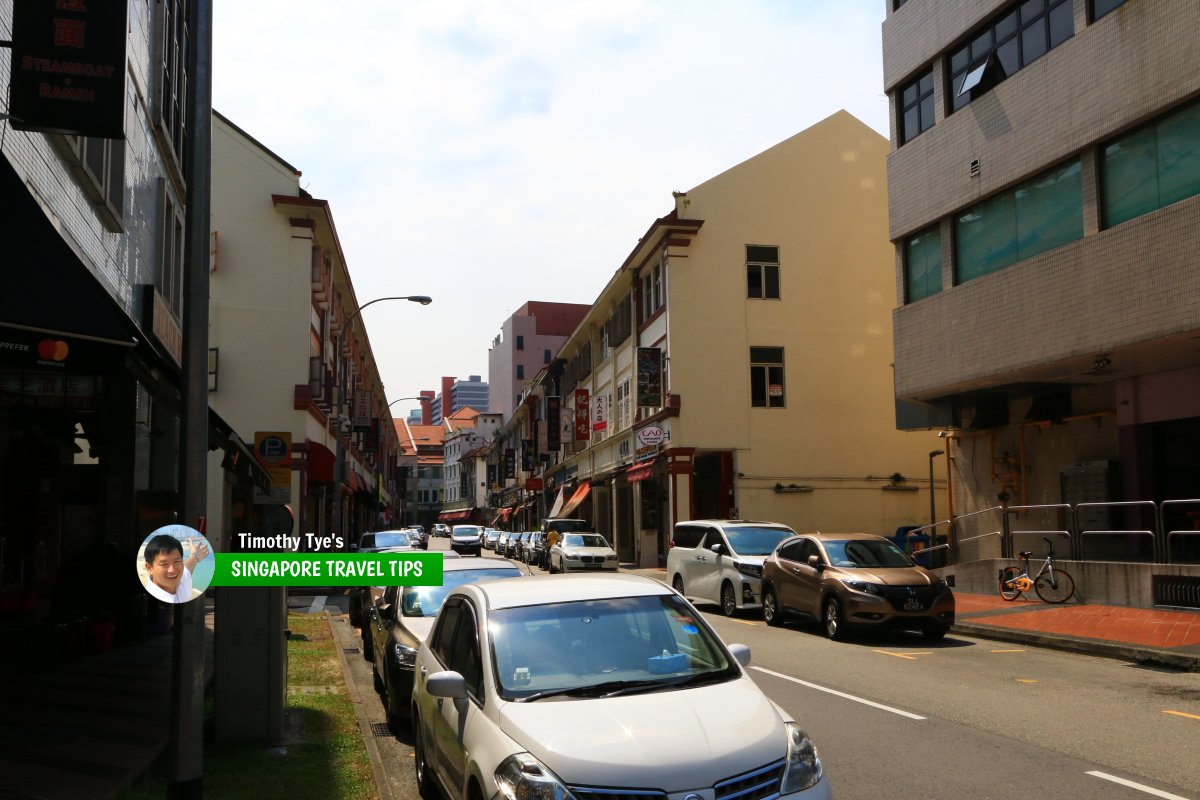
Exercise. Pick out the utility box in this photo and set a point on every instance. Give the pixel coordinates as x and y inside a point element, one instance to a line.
<point>250,664</point>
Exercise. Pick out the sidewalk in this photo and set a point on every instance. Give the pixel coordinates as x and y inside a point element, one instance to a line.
<point>1157,637</point>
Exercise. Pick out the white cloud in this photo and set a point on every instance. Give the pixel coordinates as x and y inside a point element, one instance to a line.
<point>488,153</point>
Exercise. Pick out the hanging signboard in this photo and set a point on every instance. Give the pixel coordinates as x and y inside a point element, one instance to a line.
<point>68,67</point>
<point>510,463</point>
<point>583,420</point>
<point>362,410</point>
<point>649,377</point>
<point>600,412</point>
<point>553,422</point>
<point>274,451</point>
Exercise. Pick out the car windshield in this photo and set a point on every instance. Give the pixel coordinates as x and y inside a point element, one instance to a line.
<point>866,553</point>
<point>466,530</point>
<point>751,540</point>
<point>389,539</point>
<point>424,601</point>
<point>598,647</point>
<point>584,540</point>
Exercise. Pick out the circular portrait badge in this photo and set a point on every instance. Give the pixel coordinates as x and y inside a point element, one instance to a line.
<point>175,564</point>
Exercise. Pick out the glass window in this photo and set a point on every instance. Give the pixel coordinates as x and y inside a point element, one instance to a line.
<point>442,640</point>
<point>766,377</point>
<point>762,272</point>
<point>923,264</point>
<point>985,238</point>
<point>1152,167</point>
<point>520,342</point>
<point>465,657</point>
<point>753,540</point>
<point>520,371</point>
<point>545,356</point>
<point>1102,7</point>
<point>916,112</point>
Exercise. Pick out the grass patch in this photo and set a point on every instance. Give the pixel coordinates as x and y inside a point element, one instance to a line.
<point>325,756</point>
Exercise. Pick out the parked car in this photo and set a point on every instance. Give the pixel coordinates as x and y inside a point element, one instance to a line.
<point>513,549</point>
<point>441,530</point>
<point>582,552</point>
<point>376,542</point>
<point>466,539</point>
<point>502,541</point>
<point>422,536</point>
<point>531,547</point>
<point>490,537</point>
<point>553,687</point>
<point>401,620</point>
<point>720,560</point>
<point>849,580</point>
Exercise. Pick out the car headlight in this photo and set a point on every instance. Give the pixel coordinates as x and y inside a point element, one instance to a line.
<point>943,586</point>
<point>523,777</point>
<point>863,586</point>
<point>752,570</point>
<point>613,557</point>
<point>571,556</point>
<point>405,657</point>
<point>803,764</point>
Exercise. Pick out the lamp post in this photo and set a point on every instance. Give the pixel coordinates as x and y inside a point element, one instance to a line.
<point>343,424</point>
<point>932,500</point>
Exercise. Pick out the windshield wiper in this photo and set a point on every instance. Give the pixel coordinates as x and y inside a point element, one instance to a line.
<point>608,689</point>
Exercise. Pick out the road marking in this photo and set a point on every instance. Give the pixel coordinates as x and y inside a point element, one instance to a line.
<point>318,604</point>
<point>839,694</point>
<point>1138,786</point>
<point>1008,651</point>
<point>742,621</point>
<point>1181,714</point>
<point>909,656</point>
<point>1026,680</point>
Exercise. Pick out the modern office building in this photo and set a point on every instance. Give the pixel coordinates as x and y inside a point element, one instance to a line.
<point>457,395</point>
<point>526,344</point>
<point>1042,190</point>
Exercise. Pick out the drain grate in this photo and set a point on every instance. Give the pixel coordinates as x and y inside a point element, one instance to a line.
<point>351,650</point>
<point>1182,591</point>
<point>380,729</point>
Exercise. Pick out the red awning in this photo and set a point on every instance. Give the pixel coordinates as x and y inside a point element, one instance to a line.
<point>454,516</point>
<point>358,483</point>
<point>576,499</point>
<point>533,484</point>
<point>320,463</point>
<point>639,472</point>
<point>505,513</point>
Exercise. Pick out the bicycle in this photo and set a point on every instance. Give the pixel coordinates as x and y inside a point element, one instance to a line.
<point>1053,584</point>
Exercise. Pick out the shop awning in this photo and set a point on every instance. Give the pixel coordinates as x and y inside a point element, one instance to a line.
<point>639,472</point>
<point>455,516</point>
<point>358,483</point>
<point>238,458</point>
<point>558,503</point>
<point>580,494</point>
<point>320,463</point>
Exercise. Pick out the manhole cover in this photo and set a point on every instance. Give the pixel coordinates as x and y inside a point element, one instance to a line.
<point>380,729</point>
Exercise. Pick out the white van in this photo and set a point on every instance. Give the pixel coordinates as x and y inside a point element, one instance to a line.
<point>721,560</point>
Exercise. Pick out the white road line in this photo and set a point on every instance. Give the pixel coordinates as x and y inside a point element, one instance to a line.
<point>318,604</point>
<point>839,694</point>
<point>1138,786</point>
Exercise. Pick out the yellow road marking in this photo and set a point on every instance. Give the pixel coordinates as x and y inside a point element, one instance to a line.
<point>909,656</point>
<point>1008,651</point>
<point>1026,680</point>
<point>1181,714</point>
<point>743,621</point>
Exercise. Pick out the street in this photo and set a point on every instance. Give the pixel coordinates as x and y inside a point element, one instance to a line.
<point>962,718</point>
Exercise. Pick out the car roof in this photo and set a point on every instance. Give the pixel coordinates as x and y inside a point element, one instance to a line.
<point>460,564</point>
<point>763,523</point>
<point>827,537</point>
<point>565,589</point>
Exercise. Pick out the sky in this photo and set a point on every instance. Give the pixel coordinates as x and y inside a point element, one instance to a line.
<point>488,153</point>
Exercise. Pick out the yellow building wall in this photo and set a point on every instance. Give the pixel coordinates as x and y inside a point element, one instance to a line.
<point>821,197</point>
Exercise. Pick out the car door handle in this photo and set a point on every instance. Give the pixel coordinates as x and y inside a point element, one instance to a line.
<point>701,558</point>
<point>796,570</point>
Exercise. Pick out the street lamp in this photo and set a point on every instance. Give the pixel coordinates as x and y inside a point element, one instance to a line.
<point>932,505</point>
<point>342,423</point>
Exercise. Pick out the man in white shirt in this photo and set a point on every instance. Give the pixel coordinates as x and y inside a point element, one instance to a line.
<point>170,575</point>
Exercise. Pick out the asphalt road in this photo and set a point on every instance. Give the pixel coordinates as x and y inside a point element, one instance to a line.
<point>898,717</point>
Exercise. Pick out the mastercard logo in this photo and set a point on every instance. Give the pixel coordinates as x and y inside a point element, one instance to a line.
<point>52,350</point>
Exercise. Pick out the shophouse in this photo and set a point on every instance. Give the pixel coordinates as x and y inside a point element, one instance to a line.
<point>290,361</point>
<point>737,364</point>
<point>1045,228</point>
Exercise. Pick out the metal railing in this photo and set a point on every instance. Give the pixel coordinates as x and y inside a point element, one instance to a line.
<point>1071,523</point>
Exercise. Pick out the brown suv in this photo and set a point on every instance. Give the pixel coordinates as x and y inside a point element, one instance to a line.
<point>853,579</point>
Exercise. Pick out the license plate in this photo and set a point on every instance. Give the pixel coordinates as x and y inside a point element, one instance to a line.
<point>913,604</point>
<point>592,566</point>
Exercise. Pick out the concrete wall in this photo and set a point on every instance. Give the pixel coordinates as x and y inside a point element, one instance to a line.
<point>1110,583</point>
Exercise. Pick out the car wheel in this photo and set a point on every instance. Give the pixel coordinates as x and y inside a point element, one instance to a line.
<point>834,619</point>
<point>771,613</point>
<point>677,584</point>
<point>425,787</point>
<point>934,632</point>
<point>728,599</point>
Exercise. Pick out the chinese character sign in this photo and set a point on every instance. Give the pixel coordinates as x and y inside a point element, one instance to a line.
<point>600,412</point>
<point>362,410</point>
<point>583,419</point>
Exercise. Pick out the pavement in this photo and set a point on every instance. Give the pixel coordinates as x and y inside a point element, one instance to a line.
<point>1163,637</point>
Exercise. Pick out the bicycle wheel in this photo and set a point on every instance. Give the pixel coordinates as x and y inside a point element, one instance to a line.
<point>1058,590</point>
<point>1007,590</point>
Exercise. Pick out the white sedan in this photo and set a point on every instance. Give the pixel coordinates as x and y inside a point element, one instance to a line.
<point>594,687</point>
<point>583,552</point>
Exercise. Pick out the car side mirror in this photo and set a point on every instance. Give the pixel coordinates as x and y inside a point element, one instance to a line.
<point>387,611</point>
<point>815,563</point>
<point>447,684</point>
<point>718,548</point>
<point>740,652</point>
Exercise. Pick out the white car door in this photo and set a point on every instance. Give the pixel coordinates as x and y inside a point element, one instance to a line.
<point>453,719</point>
<point>706,568</point>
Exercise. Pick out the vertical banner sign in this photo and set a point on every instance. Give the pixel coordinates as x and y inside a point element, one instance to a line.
<point>600,412</point>
<point>553,422</point>
<point>583,419</point>
<point>510,463</point>
<point>274,450</point>
<point>567,425</point>
<point>371,440</point>
<point>68,67</point>
<point>362,410</point>
<point>649,377</point>
<point>526,455</point>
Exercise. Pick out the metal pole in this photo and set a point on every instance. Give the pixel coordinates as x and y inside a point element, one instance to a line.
<point>932,503</point>
<point>187,663</point>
